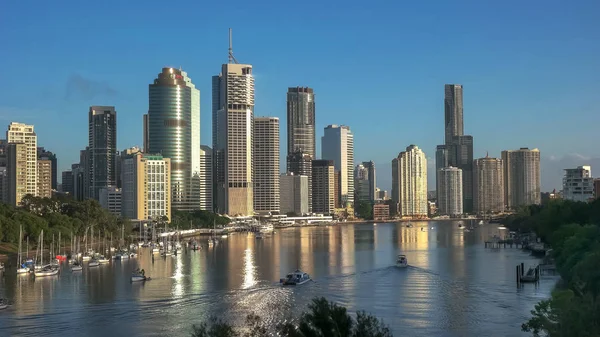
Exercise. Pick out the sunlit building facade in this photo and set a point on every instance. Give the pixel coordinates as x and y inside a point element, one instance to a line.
<point>409,182</point>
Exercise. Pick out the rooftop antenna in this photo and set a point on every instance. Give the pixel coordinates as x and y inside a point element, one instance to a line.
<point>231,57</point>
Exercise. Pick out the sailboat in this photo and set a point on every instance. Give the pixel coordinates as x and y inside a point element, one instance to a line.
<point>47,270</point>
<point>23,268</point>
<point>76,266</point>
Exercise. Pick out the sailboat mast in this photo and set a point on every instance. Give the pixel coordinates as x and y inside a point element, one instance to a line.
<point>19,257</point>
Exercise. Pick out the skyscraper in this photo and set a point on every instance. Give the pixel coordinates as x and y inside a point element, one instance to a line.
<point>300,163</point>
<point>370,166</point>
<point>301,121</point>
<point>488,185</point>
<point>337,144</point>
<point>44,189</point>
<point>24,134</point>
<point>67,182</point>
<point>174,132</point>
<point>17,171</point>
<point>43,154</point>
<point>145,133</point>
<point>102,148</point>
<point>453,111</point>
<point>266,165</point>
<point>449,190</point>
<point>293,194</point>
<point>521,177</point>
<point>206,178</point>
<point>361,183</point>
<point>146,192</point>
<point>323,180</point>
<point>233,114</point>
<point>409,182</point>
<point>461,156</point>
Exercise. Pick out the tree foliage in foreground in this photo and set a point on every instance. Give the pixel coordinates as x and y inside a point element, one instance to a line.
<point>572,229</point>
<point>323,319</point>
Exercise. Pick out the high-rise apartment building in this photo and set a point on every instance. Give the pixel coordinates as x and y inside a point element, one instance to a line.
<point>488,185</point>
<point>102,148</point>
<point>449,191</point>
<point>578,184</point>
<point>409,182</point>
<point>323,189</point>
<point>3,184</point>
<point>361,183</point>
<point>337,144</point>
<point>44,185</point>
<point>461,156</point>
<point>17,169</point>
<point>453,111</point>
<point>233,113</point>
<point>25,134</point>
<point>47,155</point>
<point>522,184</point>
<point>301,121</point>
<point>174,132</point>
<point>266,165</point>
<point>110,198</point>
<point>300,164</point>
<point>294,194</point>
<point>146,192</point>
<point>206,178</point>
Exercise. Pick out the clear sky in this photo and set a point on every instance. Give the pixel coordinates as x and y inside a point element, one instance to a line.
<point>530,69</point>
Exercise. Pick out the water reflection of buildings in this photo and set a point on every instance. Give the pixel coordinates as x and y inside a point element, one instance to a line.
<point>306,250</point>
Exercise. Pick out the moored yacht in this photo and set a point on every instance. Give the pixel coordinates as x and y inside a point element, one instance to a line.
<point>76,266</point>
<point>139,275</point>
<point>47,270</point>
<point>295,279</point>
<point>103,260</point>
<point>93,263</point>
<point>3,302</point>
<point>401,262</point>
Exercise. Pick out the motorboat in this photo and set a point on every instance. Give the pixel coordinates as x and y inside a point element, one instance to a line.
<point>3,304</point>
<point>481,222</point>
<point>76,266</point>
<point>460,226</point>
<point>132,255</point>
<point>23,269</point>
<point>295,279</point>
<point>93,263</point>
<point>139,275</point>
<point>401,262</point>
<point>47,270</point>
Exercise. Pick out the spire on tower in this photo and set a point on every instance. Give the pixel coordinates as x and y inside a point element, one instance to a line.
<point>231,57</point>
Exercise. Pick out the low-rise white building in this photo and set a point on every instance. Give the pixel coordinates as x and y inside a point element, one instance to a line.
<point>578,184</point>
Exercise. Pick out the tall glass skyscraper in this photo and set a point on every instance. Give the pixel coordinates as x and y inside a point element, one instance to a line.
<point>301,121</point>
<point>102,160</point>
<point>174,132</point>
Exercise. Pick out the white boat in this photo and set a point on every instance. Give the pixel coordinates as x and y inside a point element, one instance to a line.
<point>132,255</point>
<point>401,262</point>
<point>139,275</point>
<point>224,236</point>
<point>48,270</point>
<point>103,260</point>
<point>93,263</point>
<point>3,304</point>
<point>268,228</point>
<point>481,222</point>
<point>76,266</point>
<point>22,270</point>
<point>295,279</point>
<point>86,258</point>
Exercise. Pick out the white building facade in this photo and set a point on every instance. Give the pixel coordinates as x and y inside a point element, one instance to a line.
<point>578,184</point>
<point>409,182</point>
<point>294,194</point>
<point>449,191</point>
<point>337,144</point>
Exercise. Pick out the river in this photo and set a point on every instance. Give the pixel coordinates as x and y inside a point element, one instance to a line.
<point>453,286</point>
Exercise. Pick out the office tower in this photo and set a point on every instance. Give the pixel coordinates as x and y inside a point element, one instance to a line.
<point>44,185</point>
<point>102,149</point>
<point>23,133</point>
<point>521,177</point>
<point>43,154</point>
<point>146,133</point>
<point>18,180</point>
<point>449,191</point>
<point>323,180</point>
<point>110,198</point>
<point>67,182</point>
<point>382,194</point>
<point>488,185</point>
<point>337,144</point>
<point>206,178</point>
<point>146,192</point>
<point>266,165</point>
<point>294,194</point>
<point>370,166</point>
<point>300,163</point>
<point>174,132</point>
<point>3,185</point>
<point>461,156</point>
<point>578,184</point>
<point>361,183</point>
<point>301,121</point>
<point>442,159</point>
<point>409,182</point>
<point>79,181</point>
<point>453,111</point>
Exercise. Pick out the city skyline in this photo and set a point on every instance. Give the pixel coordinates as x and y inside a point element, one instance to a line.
<point>492,97</point>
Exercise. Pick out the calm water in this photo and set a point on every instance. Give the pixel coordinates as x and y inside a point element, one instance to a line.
<point>454,286</point>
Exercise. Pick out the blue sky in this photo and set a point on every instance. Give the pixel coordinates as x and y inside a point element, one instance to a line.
<point>529,69</point>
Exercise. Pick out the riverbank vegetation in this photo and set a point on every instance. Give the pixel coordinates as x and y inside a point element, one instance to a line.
<point>197,219</point>
<point>572,230</point>
<point>323,318</point>
<point>53,216</point>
